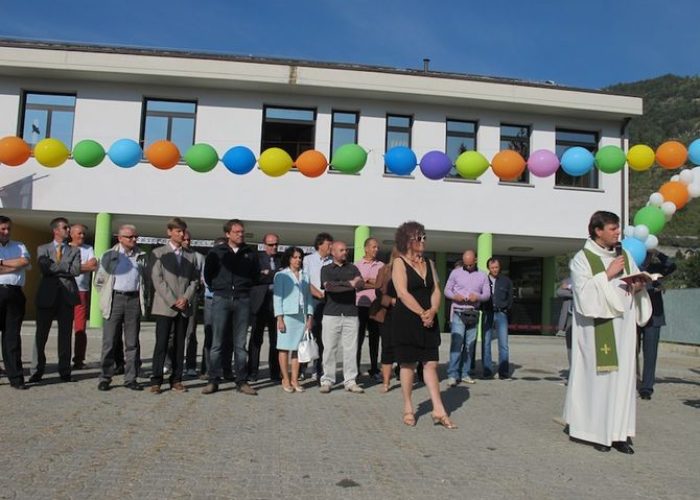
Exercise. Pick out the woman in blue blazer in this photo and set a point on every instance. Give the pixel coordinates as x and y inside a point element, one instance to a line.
<point>294,310</point>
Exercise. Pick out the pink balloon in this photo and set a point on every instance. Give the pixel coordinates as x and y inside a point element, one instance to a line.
<point>542,163</point>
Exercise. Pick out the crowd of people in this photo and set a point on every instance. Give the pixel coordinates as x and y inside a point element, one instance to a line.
<point>322,295</point>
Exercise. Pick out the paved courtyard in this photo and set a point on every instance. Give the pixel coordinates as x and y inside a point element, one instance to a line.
<point>70,441</point>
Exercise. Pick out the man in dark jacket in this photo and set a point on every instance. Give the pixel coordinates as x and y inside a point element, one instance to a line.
<point>496,319</point>
<point>230,271</point>
<point>655,263</point>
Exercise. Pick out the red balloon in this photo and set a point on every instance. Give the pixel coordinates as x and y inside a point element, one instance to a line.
<point>163,155</point>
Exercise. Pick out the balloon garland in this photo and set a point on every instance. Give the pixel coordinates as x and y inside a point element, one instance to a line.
<point>507,165</point>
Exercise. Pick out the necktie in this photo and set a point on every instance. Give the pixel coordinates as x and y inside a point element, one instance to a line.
<point>59,253</point>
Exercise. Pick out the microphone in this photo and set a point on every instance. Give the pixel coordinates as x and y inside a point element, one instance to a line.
<point>618,249</point>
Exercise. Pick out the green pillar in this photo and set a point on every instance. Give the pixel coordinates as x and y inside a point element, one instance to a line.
<point>441,267</point>
<point>484,251</point>
<point>361,234</point>
<point>103,240</point>
<point>549,285</point>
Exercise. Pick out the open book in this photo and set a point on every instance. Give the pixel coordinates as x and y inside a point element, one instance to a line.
<point>643,277</point>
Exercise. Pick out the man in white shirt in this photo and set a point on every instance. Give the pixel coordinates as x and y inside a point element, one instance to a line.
<point>88,263</point>
<point>14,259</point>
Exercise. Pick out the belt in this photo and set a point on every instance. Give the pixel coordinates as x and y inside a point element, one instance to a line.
<point>9,286</point>
<point>128,294</point>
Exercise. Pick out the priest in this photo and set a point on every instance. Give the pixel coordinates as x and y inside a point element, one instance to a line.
<point>600,398</point>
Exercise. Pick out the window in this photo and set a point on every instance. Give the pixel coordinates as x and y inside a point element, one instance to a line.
<point>47,115</point>
<point>567,139</point>
<point>168,120</point>
<point>517,138</point>
<point>291,129</point>
<point>343,130</point>
<point>398,132</point>
<point>461,137</point>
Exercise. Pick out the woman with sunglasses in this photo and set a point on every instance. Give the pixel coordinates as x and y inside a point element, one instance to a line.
<point>415,332</point>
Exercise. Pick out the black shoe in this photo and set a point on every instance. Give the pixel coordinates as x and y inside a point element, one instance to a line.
<point>133,385</point>
<point>68,378</point>
<point>103,386</point>
<point>19,386</point>
<point>645,395</point>
<point>78,365</point>
<point>35,378</point>
<point>623,447</point>
<point>601,447</point>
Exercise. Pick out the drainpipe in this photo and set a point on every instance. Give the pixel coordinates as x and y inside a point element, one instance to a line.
<point>624,173</point>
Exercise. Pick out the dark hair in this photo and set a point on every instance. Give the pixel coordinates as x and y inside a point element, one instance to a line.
<point>220,241</point>
<point>491,260</point>
<point>599,220</point>
<point>371,238</point>
<point>289,253</point>
<point>405,232</point>
<point>177,223</point>
<point>321,238</point>
<point>4,219</point>
<point>233,222</point>
<point>58,220</point>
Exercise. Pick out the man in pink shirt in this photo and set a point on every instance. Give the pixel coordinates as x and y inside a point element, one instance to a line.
<point>369,267</point>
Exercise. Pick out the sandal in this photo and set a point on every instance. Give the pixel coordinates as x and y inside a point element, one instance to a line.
<point>287,388</point>
<point>444,420</point>
<point>385,388</point>
<point>297,388</point>
<point>409,419</point>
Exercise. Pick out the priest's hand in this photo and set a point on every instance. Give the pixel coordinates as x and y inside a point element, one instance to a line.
<point>636,287</point>
<point>615,267</point>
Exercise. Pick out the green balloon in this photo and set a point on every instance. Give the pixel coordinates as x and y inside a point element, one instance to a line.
<point>471,164</point>
<point>349,159</point>
<point>201,157</point>
<point>652,217</point>
<point>88,153</point>
<point>610,159</point>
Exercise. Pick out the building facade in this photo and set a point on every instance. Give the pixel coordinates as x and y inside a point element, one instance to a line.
<point>105,94</point>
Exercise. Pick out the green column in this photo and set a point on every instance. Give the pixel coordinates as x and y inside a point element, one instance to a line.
<point>103,239</point>
<point>484,250</point>
<point>549,285</point>
<point>361,234</point>
<point>441,267</point>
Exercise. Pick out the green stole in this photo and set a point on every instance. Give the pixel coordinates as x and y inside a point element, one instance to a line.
<point>605,350</point>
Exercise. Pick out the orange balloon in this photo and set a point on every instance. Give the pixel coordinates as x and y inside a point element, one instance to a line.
<point>508,165</point>
<point>671,155</point>
<point>675,192</point>
<point>312,163</point>
<point>163,154</point>
<point>14,151</point>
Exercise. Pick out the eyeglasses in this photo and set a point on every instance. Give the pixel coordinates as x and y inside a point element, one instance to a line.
<point>130,237</point>
<point>420,238</point>
<point>272,244</point>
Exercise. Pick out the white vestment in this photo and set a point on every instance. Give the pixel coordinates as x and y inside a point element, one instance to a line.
<point>600,406</point>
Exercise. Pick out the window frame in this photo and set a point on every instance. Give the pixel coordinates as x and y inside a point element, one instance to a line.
<point>51,108</point>
<point>466,135</point>
<point>314,122</point>
<point>524,179</point>
<point>392,128</point>
<point>169,115</point>
<point>355,127</point>
<point>593,174</point>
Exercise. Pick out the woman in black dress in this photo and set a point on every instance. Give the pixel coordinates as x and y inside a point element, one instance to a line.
<point>381,313</point>
<point>415,333</point>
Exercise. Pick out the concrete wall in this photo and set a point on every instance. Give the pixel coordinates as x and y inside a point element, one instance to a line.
<point>682,316</point>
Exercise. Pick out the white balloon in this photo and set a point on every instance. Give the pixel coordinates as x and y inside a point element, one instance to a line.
<point>656,199</point>
<point>668,207</point>
<point>675,178</point>
<point>641,232</point>
<point>694,190</point>
<point>651,242</point>
<point>629,232</point>
<point>668,217</point>
<point>686,177</point>
<point>696,175</point>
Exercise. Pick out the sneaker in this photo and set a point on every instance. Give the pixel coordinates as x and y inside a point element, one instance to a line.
<point>451,382</point>
<point>468,380</point>
<point>504,377</point>
<point>325,388</point>
<point>355,389</point>
<point>246,388</point>
<point>377,377</point>
<point>314,377</point>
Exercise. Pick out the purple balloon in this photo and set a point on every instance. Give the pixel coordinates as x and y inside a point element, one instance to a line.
<point>435,165</point>
<point>542,163</point>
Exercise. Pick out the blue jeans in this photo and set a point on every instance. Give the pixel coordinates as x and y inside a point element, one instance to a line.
<point>498,321</point>
<point>462,344</point>
<point>230,317</point>
<point>650,348</point>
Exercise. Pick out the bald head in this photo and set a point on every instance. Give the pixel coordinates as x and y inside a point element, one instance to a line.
<point>339,251</point>
<point>469,258</point>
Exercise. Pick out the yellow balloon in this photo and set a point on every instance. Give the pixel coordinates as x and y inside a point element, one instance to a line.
<point>275,162</point>
<point>640,157</point>
<point>51,152</point>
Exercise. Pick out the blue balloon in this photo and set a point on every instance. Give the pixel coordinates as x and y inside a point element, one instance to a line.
<point>125,153</point>
<point>577,161</point>
<point>694,151</point>
<point>239,160</point>
<point>400,160</point>
<point>637,249</point>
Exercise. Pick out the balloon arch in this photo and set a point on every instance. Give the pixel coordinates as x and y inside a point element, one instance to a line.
<point>507,165</point>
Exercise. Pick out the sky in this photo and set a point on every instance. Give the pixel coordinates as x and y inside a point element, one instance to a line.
<point>580,43</point>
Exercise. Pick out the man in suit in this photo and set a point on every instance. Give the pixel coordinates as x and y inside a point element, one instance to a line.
<point>262,315</point>
<point>56,297</point>
<point>191,333</point>
<point>175,279</point>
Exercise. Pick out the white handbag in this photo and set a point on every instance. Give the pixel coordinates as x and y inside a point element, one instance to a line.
<point>308,348</point>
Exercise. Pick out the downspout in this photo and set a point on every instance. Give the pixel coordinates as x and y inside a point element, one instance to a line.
<point>624,142</point>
